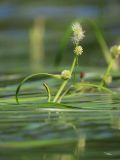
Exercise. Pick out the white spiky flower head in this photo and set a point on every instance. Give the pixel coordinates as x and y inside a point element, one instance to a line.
<point>115,50</point>
<point>78,50</point>
<point>66,74</point>
<point>78,33</point>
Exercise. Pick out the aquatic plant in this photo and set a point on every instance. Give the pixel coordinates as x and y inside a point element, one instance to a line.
<point>78,35</point>
<point>66,75</point>
<point>98,31</point>
<point>107,78</point>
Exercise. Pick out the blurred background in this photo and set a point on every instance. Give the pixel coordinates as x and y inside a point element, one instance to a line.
<point>32,32</point>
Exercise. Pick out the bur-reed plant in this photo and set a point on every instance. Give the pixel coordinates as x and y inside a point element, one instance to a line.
<point>65,76</point>
<point>107,78</point>
<point>77,36</point>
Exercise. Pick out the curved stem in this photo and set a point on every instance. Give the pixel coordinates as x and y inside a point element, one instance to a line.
<point>31,76</point>
<point>48,91</point>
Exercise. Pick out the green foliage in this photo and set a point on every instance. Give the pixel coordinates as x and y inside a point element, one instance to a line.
<point>32,76</point>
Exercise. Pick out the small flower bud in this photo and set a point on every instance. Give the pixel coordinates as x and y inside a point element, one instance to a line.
<point>78,50</point>
<point>66,74</point>
<point>108,80</point>
<point>115,50</point>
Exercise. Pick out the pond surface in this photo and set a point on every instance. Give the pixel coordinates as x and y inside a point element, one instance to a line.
<point>84,126</point>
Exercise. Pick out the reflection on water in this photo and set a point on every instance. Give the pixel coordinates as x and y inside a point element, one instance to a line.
<point>30,132</point>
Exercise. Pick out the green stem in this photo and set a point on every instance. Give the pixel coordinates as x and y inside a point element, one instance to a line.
<point>64,93</point>
<point>102,43</point>
<point>48,91</point>
<point>60,90</point>
<point>73,64</point>
<point>65,81</point>
<point>31,76</point>
<point>107,72</point>
<point>110,67</point>
<point>96,86</point>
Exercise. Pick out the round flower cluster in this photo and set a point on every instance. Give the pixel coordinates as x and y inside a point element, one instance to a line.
<point>66,74</point>
<point>115,50</point>
<point>78,35</point>
<point>78,50</point>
